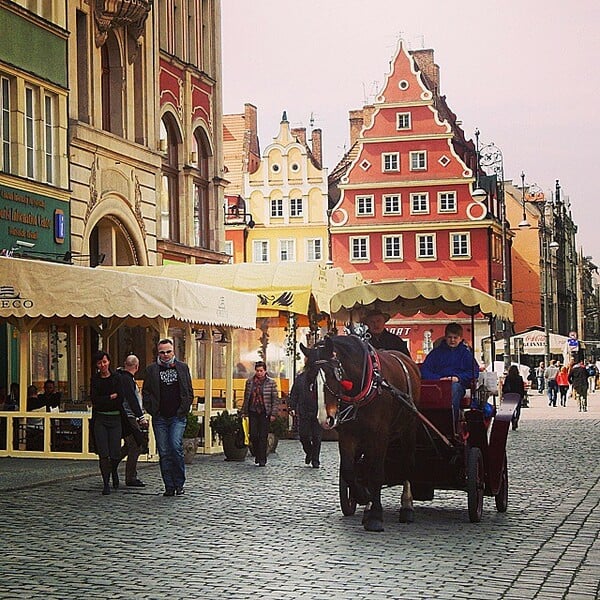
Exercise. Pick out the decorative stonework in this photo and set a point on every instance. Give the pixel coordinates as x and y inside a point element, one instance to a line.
<point>138,205</point>
<point>93,190</point>
<point>111,14</point>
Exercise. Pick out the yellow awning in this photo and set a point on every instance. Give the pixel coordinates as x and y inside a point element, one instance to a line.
<point>278,287</point>
<point>408,297</point>
<point>42,289</point>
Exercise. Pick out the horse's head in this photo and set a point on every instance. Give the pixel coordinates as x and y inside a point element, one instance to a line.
<point>326,374</point>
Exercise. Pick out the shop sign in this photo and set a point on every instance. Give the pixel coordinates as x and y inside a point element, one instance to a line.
<point>11,298</point>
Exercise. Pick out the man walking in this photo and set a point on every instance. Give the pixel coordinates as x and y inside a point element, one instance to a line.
<point>550,376</point>
<point>167,395</point>
<point>133,421</point>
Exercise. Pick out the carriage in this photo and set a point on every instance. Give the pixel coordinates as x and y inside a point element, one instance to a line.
<point>467,454</point>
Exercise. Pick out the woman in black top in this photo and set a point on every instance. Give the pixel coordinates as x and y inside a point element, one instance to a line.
<point>107,399</point>
<point>514,384</point>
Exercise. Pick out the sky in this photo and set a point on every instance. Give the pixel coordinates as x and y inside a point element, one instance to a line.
<point>523,72</point>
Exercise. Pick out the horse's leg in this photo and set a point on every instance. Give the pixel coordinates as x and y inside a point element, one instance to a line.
<point>348,458</point>
<point>407,513</point>
<point>373,518</point>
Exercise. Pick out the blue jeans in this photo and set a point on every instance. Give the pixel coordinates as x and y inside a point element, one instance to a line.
<point>169,440</point>
<point>458,393</point>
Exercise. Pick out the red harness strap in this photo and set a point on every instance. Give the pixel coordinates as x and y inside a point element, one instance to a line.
<point>369,390</point>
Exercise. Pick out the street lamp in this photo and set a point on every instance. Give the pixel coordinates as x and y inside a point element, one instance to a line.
<point>329,244</point>
<point>547,245</point>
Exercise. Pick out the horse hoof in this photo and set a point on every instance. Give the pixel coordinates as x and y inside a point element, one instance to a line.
<point>407,515</point>
<point>374,525</point>
<point>365,516</point>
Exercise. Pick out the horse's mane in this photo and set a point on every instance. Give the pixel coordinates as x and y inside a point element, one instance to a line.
<point>348,345</point>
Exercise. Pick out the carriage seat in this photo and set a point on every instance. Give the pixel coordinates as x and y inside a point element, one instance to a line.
<point>436,394</point>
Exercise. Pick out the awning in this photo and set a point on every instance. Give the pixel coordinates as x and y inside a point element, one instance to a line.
<point>534,342</point>
<point>43,289</point>
<point>278,287</point>
<point>409,297</point>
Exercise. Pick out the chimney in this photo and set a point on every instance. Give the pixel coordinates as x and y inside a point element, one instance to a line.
<point>251,128</point>
<point>300,134</point>
<point>424,60</point>
<point>356,124</point>
<point>317,147</point>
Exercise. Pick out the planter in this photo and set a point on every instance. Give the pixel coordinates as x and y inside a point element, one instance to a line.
<point>190,446</point>
<point>231,451</point>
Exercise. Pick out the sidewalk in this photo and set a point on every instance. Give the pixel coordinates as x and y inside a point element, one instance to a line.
<point>539,409</point>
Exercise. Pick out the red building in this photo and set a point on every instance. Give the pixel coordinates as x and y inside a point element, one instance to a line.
<point>404,195</point>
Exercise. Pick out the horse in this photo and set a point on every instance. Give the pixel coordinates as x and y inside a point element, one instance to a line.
<point>371,397</point>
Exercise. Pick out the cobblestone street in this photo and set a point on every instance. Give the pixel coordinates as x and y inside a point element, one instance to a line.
<point>241,532</point>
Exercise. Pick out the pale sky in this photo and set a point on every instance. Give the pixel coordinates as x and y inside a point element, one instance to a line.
<point>524,72</point>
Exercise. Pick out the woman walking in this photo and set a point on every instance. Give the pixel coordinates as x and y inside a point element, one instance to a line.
<point>562,381</point>
<point>107,399</point>
<point>514,384</point>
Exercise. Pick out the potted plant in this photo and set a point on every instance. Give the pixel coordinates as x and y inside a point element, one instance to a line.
<point>190,438</point>
<point>228,426</point>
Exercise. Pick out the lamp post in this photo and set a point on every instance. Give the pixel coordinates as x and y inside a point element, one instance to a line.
<point>546,245</point>
<point>329,243</point>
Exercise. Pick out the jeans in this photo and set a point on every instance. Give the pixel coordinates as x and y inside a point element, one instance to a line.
<point>552,392</point>
<point>107,435</point>
<point>458,393</point>
<point>310,433</point>
<point>540,384</point>
<point>169,440</point>
<point>259,433</point>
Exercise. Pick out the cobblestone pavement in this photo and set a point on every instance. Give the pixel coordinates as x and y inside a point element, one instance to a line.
<point>277,533</point>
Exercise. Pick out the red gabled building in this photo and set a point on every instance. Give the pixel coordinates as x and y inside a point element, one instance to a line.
<point>404,205</point>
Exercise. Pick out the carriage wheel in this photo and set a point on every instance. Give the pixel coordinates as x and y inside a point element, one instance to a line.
<point>347,502</point>
<point>475,484</point>
<point>502,495</point>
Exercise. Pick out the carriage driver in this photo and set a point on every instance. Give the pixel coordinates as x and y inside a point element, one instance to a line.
<point>452,360</point>
<point>381,338</point>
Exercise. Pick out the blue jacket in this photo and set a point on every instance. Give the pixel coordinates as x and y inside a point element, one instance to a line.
<point>444,361</point>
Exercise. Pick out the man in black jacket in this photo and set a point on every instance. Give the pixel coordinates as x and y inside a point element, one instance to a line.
<point>133,421</point>
<point>167,394</point>
<point>381,338</point>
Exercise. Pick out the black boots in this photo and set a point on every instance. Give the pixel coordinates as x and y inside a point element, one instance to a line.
<point>115,473</point>
<point>105,469</point>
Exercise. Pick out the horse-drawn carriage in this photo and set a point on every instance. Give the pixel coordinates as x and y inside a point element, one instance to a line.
<point>395,428</point>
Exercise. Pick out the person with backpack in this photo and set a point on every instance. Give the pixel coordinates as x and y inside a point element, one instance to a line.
<point>592,375</point>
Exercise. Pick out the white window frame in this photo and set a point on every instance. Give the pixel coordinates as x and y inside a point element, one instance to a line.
<point>359,249</point>
<point>431,254</point>
<point>463,239</point>
<point>418,160</point>
<point>49,141</point>
<point>384,202</point>
<point>397,253</point>
<point>443,198</point>
<point>286,250</point>
<point>314,249</point>
<point>276,208</point>
<point>229,249</point>
<point>364,206</point>
<point>5,124</point>
<point>260,251</point>
<point>390,162</point>
<point>29,119</point>
<point>421,197</point>
<point>296,207</point>
<point>407,118</point>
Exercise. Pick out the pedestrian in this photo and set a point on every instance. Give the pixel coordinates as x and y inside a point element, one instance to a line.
<point>550,378</point>
<point>167,396</point>
<point>578,377</point>
<point>134,422</point>
<point>380,338</point>
<point>106,394</point>
<point>261,400</point>
<point>303,402</point>
<point>514,384</point>
<point>539,375</point>
<point>592,374</point>
<point>562,381</point>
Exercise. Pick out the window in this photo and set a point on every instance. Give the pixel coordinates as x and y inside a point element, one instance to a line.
<point>418,161</point>
<point>287,250</point>
<point>296,208</point>
<point>392,247</point>
<point>202,187</point>
<point>170,180</point>
<point>446,202</point>
<point>314,249</point>
<point>49,137</point>
<point>5,123</point>
<point>390,161</point>
<point>419,203</point>
<point>277,208</point>
<point>364,206</point>
<point>403,121</point>
<point>359,249</point>
<point>229,249</point>
<point>460,245</point>
<point>29,132</point>
<point>260,251</point>
<point>391,205</point>
<point>426,246</point>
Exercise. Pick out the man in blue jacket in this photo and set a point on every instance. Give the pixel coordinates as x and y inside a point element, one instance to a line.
<point>452,360</point>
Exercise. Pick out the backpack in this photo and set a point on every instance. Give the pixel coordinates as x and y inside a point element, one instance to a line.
<point>591,371</point>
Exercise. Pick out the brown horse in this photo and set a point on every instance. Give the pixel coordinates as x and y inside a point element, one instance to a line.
<point>371,397</point>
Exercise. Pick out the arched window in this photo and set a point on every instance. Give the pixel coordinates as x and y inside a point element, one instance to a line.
<point>170,141</point>
<point>112,86</point>
<point>201,190</point>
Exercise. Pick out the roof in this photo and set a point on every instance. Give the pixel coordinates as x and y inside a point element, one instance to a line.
<point>30,288</point>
